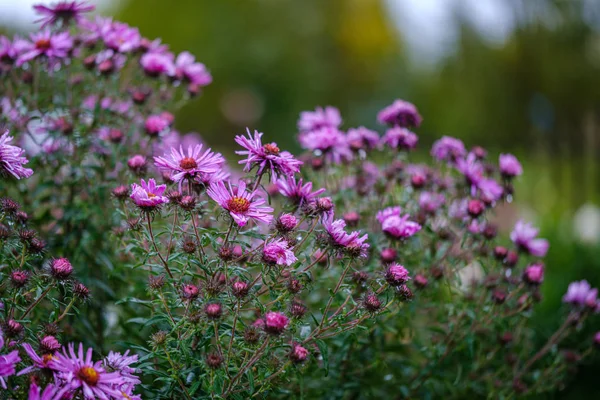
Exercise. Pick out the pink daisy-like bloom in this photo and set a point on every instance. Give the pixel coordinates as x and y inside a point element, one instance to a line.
<point>491,190</point>
<point>328,117</point>
<point>471,168</point>
<point>278,252</point>
<point>524,237</point>
<point>534,274</point>
<point>399,138</point>
<point>267,156</point>
<point>189,166</point>
<point>8,52</point>
<point>396,275</point>
<point>400,227</point>
<point>430,202</point>
<point>79,371</point>
<point>338,237</point>
<point>448,149</point>
<point>122,38</point>
<point>148,196</point>
<point>155,124</point>
<point>46,43</point>
<point>241,204</point>
<point>63,11</point>
<point>39,362</point>
<point>208,179</point>
<point>12,160</point>
<point>362,138</point>
<point>186,68</point>
<point>297,191</point>
<point>155,64</point>
<point>388,212</point>
<point>328,141</point>
<point>275,322</point>
<point>8,363</point>
<point>580,293</point>
<point>510,166</point>
<point>401,113</point>
<point>49,393</point>
<point>121,363</point>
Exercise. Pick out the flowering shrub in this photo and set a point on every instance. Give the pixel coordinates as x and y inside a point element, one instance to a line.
<point>272,281</point>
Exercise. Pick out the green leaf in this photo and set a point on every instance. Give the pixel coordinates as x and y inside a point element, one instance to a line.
<point>325,354</point>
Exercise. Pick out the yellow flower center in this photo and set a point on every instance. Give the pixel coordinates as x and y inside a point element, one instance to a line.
<point>238,204</point>
<point>89,375</point>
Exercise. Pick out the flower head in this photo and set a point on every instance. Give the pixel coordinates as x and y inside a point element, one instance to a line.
<point>524,236</point>
<point>241,204</point>
<point>396,275</point>
<point>121,363</point>
<point>351,242</point>
<point>578,293</point>
<point>46,43</point>
<point>491,190</point>
<point>401,113</point>
<point>148,196</point>
<point>298,354</point>
<point>155,64</point>
<point>266,157</point>
<point>186,68</point>
<point>190,165</point>
<point>122,37</point>
<point>49,392</point>
<point>297,191</point>
<point>11,159</point>
<point>362,138</point>
<point>61,268</point>
<point>328,141</point>
<point>275,322</point>
<point>396,226</point>
<point>430,202</point>
<point>448,149</point>
<point>8,363</point>
<point>384,214</point>
<point>278,252</point>
<point>322,117</point>
<point>510,166</point>
<point>399,138</point>
<point>534,274</point>
<point>63,11</point>
<point>471,168</point>
<point>155,124</point>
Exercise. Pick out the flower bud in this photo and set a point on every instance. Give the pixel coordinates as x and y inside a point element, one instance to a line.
<point>240,289</point>
<point>360,277</point>
<point>137,164</point>
<point>49,345</point>
<point>213,311</point>
<point>297,309</point>
<point>404,292</point>
<point>19,278</point>
<point>159,338</point>
<point>61,268</point>
<point>190,292</point>
<point>420,281</point>
<point>499,296</point>
<point>214,360</point>
<point>275,323</point>
<point>534,274</point>
<point>475,208</point>
<point>188,203</point>
<point>298,354</point>
<point>512,258</point>
<point>286,223</point>
<point>81,291</point>
<point>294,286</point>
<point>121,192</point>
<point>324,204</point>
<point>396,275</point>
<point>21,216</point>
<point>156,282</point>
<point>388,255</point>
<point>371,303</point>
<point>251,335</point>
<point>189,245</point>
<point>351,218</point>
<point>13,328</point>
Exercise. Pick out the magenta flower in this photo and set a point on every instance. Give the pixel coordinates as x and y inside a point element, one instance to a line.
<point>155,64</point>
<point>430,202</point>
<point>267,156</point>
<point>328,117</point>
<point>208,179</point>
<point>298,354</point>
<point>286,223</point>
<point>399,138</point>
<point>401,113</point>
<point>8,362</point>
<point>448,149</point>
<point>63,11</point>
<point>524,236</point>
<point>400,227</point>
<point>122,363</point>
<point>79,371</point>
<point>580,293</point>
<point>39,362</point>
<point>275,322</point>
<point>510,166</point>
<point>351,242</point>
<point>362,138</point>
<point>278,252</point>
<point>471,169</point>
<point>191,165</point>
<point>46,43</point>
<point>534,274</point>
<point>388,212</point>
<point>148,196</point>
<point>188,69</point>
<point>491,190</point>
<point>12,160</point>
<point>49,393</point>
<point>298,192</point>
<point>8,52</point>
<point>241,204</point>
<point>330,142</point>
<point>122,38</point>
<point>396,275</point>
<point>155,124</point>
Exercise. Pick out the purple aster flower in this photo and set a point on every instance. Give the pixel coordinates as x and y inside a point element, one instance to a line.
<point>400,227</point>
<point>186,68</point>
<point>155,64</point>
<point>155,124</point>
<point>471,169</point>
<point>241,204</point>
<point>401,113</point>
<point>191,165</point>
<point>122,38</point>
<point>448,149</point>
<point>510,166</point>
<point>122,363</point>
<point>399,138</point>
<point>388,212</point>
<point>524,236</point>
<point>362,138</point>
<point>79,371</point>
<point>278,252</point>
<point>46,43</point>
<point>208,179</point>
<point>49,392</point>
<point>266,156</point>
<point>491,190</point>
<point>430,202</point>
<point>63,11</point>
<point>275,322</point>
<point>328,117</point>
<point>11,159</point>
<point>148,196</point>
<point>328,141</point>
<point>580,293</point>
<point>534,274</point>
<point>8,362</point>
<point>8,52</point>
<point>298,192</point>
<point>396,275</point>
<point>351,242</point>
<point>39,362</point>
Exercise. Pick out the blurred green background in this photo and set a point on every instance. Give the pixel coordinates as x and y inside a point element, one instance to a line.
<point>511,75</point>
